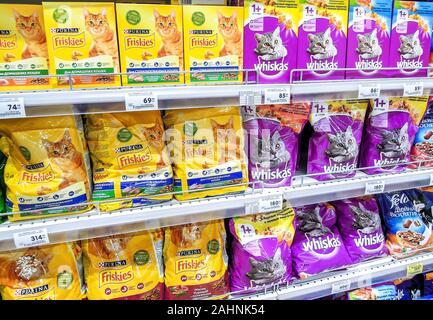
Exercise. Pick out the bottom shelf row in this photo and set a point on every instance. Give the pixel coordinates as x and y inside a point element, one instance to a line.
<point>289,247</point>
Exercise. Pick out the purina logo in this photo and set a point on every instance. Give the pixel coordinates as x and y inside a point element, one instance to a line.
<point>31,291</point>
<point>398,199</point>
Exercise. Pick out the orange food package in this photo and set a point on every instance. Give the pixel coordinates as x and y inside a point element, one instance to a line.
<point>125,267</point>
<point>51,272</point>
<point>195,261</point>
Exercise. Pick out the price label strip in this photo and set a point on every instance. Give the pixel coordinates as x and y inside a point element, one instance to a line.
<point>368,91</point>
<point>277,96</point>
<point>12,108</point>
<point>141,101</point>
<point>375,187</point>
<point>413,89</point>
<point>26,239</point>
<point>264,205</point>
<point>250,98</point>
<point>340,286</point>
<point>415,268</point>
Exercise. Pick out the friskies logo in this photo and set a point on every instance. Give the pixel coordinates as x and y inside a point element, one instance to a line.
<point>116,276</point>
<point>203,41</point>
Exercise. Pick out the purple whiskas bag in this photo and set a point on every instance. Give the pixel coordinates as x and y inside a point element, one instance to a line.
<point>334,145</point>
<point>272,142</point>
<point>261,253</point>
<point>317,245</point>
<point>358,221</point>
<point>389,133</point>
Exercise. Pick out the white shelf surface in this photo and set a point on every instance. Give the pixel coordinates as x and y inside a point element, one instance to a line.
<point>94,224</point>
<point>365,274</point>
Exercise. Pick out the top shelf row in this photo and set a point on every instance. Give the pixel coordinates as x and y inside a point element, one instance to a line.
<point>74,45</point>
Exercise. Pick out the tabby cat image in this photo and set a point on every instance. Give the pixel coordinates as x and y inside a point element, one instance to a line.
<point>228,28</point>
<point>109,247</point>
<point>186,236</point>
<point>172,43</point>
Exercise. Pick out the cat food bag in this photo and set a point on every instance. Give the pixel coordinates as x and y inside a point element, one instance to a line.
<point>358,221</point>
<point>428,284</point>
<point>386,291</point>
<point>261,249</point>
<point>23,49</point>
<point>129,158</point>
<point>51,272</point>
<point>196,261</point>
<point>3,161</point>
<point>422,148</point>
<point>270,40</point>
<point>412,23</point>
<point>207,149</point>
<point>389,132</point>
<point>150,41</point>
<point>409,288</point>
<point>82,41</point>
<point>213,44</point>
<point>408,221</point>
<point>317,245</point>
<point>47,171</point>
<point>125,267</point>
<point>368,38</point>
<point>322,37</point>
<point>334,146</point>
<point>272,142</point>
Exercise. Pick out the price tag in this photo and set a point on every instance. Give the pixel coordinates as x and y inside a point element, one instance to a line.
<point>265,204</point>
<point>340,286</point>
<point>141,101</point>
<point>374,187</point>
<point>250,98</point>
<point>12,108</point>
<point>31,238</point>
<point>369,91</point>
<point>414,269</point>
<point>277,96</point>
<point>413,89</point>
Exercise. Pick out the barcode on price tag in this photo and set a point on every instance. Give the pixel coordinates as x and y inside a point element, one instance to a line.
<point>413,89</point>
<point>266,204</point>
<point>369,91</point>
<point>374,187</point>
<point>340,286</point>
<point>31,238</point>
<point>414,269</point>
<point>277,96</point>
<point>141,101</point>
<point>12,108</point>
<point>250,98</point>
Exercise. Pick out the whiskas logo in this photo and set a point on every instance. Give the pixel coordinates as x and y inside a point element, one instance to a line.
<point>271,66</point>
<point>383,162</point>
<point>339,168</point>
<point>140,41</point>
<point>69,41</point>
<point>271,174</point>
<point>322,65</point>
<point>398,200</point>
<point>203,41</point>
<point>368,64</point>
<point>116,276</point>
<point>192,264</point>
<point>132,159</point>
<point>369,240</point>
<point>409,64</point>
<point>7,41</point>
<point>321,244</point>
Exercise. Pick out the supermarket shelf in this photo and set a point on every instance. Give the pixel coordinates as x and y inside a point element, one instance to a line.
<point>362,275</point>
<point>304,191</point>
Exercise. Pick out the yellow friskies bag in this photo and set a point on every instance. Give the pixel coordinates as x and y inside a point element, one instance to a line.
<point>195,261</point>
<point>47,166</point>
<point>82,39</point>
<point>207,150</point>
<point>51,272</point>
<point>126,267</point>
<point>129,158</point>
<point>23,47</point>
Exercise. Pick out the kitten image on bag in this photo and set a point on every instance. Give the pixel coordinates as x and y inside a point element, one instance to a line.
<point>395,143</point>
<point>365,221</point>
<point>269,153</point>
<point>34,35</point>
<point>270,270</point>
<point>270,45</point>
<point>410,46</point>
<point>368,45</point>
<point>104,38</point>
<point>226,141</point>
<point>321,45</point>
<point>64,154</point>
<point>172,43</point>
<point>310,222</point>
<point>109,247</point>
<point>342,146</point>
<point>155,138</point>
<point>32,265</point>
<point>228,28</point>
<point>187,235</point>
